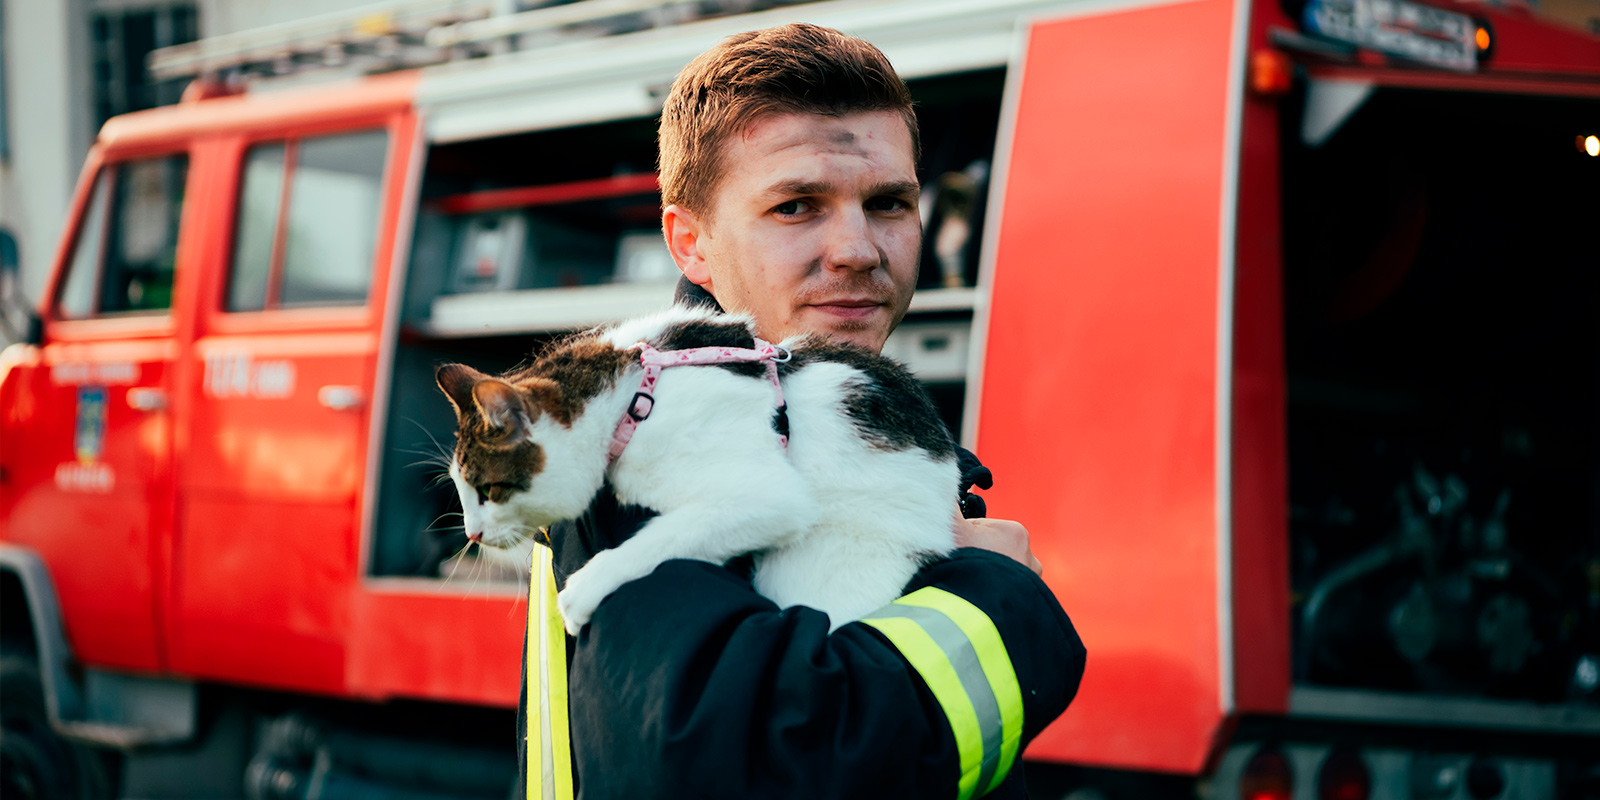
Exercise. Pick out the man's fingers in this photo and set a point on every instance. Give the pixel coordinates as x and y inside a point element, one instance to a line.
<point>1003,536</point>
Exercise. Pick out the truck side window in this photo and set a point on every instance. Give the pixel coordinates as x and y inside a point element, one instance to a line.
<point>258,224</point>
<point>126,251</point>
<point>308,222</point>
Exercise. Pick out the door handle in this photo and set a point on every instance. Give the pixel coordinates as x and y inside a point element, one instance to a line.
<point>147,398</point>
<point>340,398</point>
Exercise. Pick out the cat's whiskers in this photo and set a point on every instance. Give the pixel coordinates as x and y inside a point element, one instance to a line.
<point>456,559</point>
<point>439,450</point>
<point>431,529</point>
<point>477,567</point>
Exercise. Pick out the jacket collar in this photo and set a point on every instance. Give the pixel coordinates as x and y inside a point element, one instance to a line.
<point>691,295</point>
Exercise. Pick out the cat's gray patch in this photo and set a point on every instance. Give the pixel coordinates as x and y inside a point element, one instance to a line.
<point>889,407</point>
<point>713,333</point>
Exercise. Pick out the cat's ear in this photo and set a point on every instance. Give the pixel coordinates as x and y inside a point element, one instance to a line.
<point>501,406</point>
<point>545,393</point>
<point>456,381</point>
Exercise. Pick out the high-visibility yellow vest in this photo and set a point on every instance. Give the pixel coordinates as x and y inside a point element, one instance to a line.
<point>949,642</point>
<point>549,752</point>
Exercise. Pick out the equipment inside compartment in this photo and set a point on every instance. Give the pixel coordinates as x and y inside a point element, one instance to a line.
<point>1442,320</point>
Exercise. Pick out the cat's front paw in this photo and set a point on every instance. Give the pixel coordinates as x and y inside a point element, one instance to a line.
<point>578,601</point>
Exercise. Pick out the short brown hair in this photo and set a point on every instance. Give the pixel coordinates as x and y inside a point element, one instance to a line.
<point>749,76</point>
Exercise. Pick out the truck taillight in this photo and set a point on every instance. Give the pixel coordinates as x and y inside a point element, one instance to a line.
<point>1267,776</point>
<point>1344,776</point>
<point>1271,72</point>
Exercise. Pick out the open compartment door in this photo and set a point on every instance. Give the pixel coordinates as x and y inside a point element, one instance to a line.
<point>1106,373</point>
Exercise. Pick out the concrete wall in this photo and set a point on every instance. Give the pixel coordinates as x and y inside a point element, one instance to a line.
<point>48,97</point>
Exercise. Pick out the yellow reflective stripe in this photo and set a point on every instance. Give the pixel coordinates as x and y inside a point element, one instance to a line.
<point>556,650</point>
<point>535,686</point>
<point>930,661</point>
<point>996,663</point>
<point>549,753</point>
<point>958,652</point>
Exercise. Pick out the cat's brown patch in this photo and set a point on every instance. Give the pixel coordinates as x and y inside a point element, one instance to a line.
<point>572,372</point>
<point>496,464</point>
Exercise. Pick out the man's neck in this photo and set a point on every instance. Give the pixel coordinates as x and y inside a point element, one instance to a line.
<point>692,295</point>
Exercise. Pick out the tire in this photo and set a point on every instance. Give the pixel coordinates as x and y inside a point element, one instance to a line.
<point>35,763</point>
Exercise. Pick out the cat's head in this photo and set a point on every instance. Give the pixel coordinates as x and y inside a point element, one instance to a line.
<point>507,466</point>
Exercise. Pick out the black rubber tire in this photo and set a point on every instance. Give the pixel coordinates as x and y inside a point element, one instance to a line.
<point>35,763</point>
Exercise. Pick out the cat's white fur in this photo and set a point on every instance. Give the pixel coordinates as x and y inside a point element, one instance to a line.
<point>837,524</point>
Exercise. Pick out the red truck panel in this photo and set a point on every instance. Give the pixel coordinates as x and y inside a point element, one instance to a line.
<point>1101,375</point>
<point>431,641</point>
<point>90,511</point>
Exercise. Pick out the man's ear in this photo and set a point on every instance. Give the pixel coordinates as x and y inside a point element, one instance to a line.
<point>686,234</point>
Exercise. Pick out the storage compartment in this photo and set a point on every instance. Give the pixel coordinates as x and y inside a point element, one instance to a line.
<point>1442,322</point>
<point>522,238</point>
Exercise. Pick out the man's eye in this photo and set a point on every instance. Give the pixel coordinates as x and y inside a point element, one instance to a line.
<point>792,208</point>
<point>887,203</point>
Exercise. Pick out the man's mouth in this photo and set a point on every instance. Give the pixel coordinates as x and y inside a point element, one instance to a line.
<point>848,307</point>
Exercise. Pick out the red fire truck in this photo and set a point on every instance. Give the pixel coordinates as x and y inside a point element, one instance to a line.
<point>1279,323</point>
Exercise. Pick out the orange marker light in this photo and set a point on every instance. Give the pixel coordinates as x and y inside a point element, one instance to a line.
<point>1270,72</point>
<point>1482,38</point>
<point>1591,145</point>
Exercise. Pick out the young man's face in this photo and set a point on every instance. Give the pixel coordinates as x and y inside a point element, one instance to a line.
<point>813,227</point>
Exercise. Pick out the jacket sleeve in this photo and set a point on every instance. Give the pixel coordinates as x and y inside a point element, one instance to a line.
<point>687,683</point>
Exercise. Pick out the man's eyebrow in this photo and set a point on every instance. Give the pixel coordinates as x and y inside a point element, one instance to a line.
<point>798,187</point>
<point>897,189</point>
<point>808,187</point>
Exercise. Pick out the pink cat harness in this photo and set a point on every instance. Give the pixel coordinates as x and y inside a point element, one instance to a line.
<point>654,361</point>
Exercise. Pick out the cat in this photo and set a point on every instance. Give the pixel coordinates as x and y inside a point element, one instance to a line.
<point>839,518</point>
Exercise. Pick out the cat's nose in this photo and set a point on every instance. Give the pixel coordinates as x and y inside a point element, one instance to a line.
<point>475,537</point>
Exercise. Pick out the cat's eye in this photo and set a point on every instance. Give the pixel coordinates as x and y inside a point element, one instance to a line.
<point>495,492</point>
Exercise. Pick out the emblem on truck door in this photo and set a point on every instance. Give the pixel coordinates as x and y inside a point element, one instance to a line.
<point>88,473</point>
<point>89,435</point>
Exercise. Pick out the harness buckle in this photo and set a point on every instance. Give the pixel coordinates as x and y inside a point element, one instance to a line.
<point>634,410</point>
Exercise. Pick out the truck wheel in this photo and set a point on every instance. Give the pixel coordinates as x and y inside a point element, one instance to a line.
<point>35,763</point>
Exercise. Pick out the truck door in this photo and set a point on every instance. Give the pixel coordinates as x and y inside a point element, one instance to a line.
<point>1101,407</point>
<point>94,492</point>
<point>286,354</point>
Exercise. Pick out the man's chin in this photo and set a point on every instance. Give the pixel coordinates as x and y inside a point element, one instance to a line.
<point>868,333</point>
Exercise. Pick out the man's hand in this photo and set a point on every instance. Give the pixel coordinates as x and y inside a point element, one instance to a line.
<point>1002,536</point>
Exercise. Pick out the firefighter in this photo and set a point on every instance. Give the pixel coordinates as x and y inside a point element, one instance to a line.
<point>788,160</point>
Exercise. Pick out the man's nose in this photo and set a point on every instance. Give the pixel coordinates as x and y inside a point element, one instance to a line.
<point>850,243</point>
